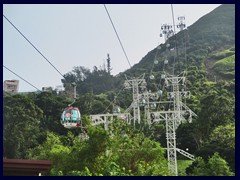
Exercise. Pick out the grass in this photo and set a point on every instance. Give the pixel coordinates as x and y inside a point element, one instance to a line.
<point>225,66</point>
<point>223,54</point>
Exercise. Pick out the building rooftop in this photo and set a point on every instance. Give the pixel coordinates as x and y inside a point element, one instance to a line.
<point>25,167</point>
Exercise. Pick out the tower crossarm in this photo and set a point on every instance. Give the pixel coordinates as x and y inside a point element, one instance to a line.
<point>186,154</point>
<point>175,80</point>
<point>98,119</point>
<point>188,109</point>
<point>129,108</point>
<point>159,116</point>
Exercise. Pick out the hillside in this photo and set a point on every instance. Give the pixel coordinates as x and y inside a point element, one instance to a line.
<point>209,66</point>
<point>211,34</point>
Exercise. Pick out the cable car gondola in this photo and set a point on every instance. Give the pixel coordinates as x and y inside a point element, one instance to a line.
<point>71,117</point>
<point>116,109</point>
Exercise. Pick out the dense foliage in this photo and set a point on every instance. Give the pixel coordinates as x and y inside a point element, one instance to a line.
<point>103,153</point>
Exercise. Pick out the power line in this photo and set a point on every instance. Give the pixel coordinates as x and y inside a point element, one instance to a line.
<point>117,35</point>
<point>174,33</point>
<point>113,100</point>
<point>21,78</point>
<point>33,46</point>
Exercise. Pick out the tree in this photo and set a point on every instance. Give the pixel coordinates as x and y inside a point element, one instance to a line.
<point>81,76</point>
<point>198,168</point>
<point>52,106</point>
<point>136,152</point>
<point>217,108</point>
<point>108,64</point>
<point>185,137</point>
<point>53,149</point>
<point>224,135</point>
<point>103,153</point>
<point>97,81</point>
<point>215,166</point>
<point>21,125</point>
<point>221,140</point>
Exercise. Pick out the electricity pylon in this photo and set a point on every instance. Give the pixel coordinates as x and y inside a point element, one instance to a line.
<point>181,24</point>
<point>166,31</point>
<point>135,84</point>
<point>173,117</point>
<point>175,114</point>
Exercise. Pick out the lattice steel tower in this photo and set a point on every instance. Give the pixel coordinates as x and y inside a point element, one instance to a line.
<point>175,114</point>
<point>135,84</point>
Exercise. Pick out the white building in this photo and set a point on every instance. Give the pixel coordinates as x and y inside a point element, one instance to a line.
<point>11,85</point>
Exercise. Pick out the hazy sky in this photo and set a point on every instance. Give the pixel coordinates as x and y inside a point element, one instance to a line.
<point>82,35</point>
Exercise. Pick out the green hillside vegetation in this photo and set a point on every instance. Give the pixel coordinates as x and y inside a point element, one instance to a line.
<point>223,54</point>
<point>221,65</point>
<point>124,150</point>
<point>225,66</point>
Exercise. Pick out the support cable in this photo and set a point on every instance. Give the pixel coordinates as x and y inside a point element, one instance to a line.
<point>185,58</point>
<point>113,100</point>
<point>151,70</point>
<point>33,45</point>
<point>174,33</point>
<point>185,49</point>
<point>117,35</point>
<point>21,78</point>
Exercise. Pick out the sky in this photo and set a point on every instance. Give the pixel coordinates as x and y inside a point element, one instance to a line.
<point>71,35</point>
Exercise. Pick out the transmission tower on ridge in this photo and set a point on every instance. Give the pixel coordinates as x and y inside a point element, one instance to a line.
<point>166,31</point>
<point>181,24</point>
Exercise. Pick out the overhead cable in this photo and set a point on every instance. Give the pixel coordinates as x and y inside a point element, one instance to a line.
<point>117,35</point>
<point>174,33</point>
<point>113,100</point>
<point>33,45</point>
<point>21,78</point>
